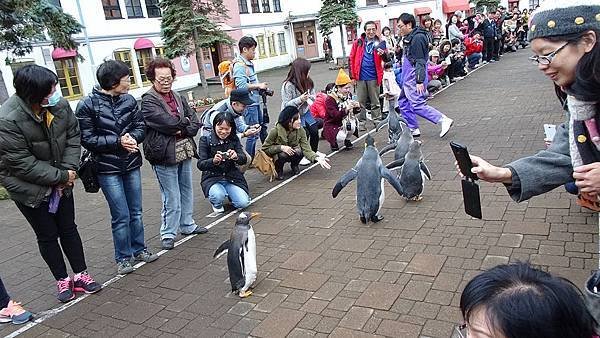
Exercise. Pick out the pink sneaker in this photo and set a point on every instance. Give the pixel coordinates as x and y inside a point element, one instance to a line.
<point>82,282</point>
<point>65,290</point>
<point>15,313</point>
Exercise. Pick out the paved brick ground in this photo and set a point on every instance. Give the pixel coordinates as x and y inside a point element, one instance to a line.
<point>321,272</point>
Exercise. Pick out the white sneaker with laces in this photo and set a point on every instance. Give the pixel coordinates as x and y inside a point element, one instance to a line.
<point>446,123</point>
<point>304,161</point>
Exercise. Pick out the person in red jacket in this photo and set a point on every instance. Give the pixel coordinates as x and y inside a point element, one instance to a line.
<point>474,47</point>
<point>366,68</point>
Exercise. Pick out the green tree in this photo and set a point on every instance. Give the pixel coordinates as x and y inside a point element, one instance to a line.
<point>189,25</point>
<point>25,22</point>
<point>336,13</point>
<point>489,5</point>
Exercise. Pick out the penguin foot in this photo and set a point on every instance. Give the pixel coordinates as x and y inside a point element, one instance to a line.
<point>245,294</point>
<point>376,218</point>
<point>363,220</point>
<point>416,198</point>
<point>348,144</point>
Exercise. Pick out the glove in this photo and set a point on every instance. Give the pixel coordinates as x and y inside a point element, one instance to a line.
<point>323,162</point>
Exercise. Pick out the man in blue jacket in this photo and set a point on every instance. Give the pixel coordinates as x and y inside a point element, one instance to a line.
<point>413,100</point>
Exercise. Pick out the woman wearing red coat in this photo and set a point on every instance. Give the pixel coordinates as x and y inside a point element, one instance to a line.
<point>474,47</point>
<point>337,107</point>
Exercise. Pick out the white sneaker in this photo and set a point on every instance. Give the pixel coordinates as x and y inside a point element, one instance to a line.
<point>304,161</point>
<point>219,210</point>
<point>415,132</point>
<point>446,124</point>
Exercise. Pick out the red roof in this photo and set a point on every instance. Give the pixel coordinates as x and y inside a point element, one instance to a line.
<point>143,43</point>
<point>451,6</point>
<point>422,11</point>
<point>59,53</point>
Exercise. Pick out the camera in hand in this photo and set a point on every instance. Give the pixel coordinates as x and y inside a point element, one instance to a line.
<point>224,154</point>
<point>266,92</point>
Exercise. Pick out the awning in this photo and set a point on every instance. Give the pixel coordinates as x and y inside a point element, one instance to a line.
<point>451,6</point>
<point>59,53</point>
<point>511,1</point>
<point>143,43</point>
<point>422,11</point>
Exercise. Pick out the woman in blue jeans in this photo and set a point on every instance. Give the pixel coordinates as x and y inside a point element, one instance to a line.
<point>220,154</point>
<point>170,147</point>
<point>112,126</point>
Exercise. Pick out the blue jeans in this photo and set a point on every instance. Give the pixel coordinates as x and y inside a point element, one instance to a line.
<point>218,191</point>
<point>177,194</point>
<point>253,115</point>
<point>474,59</point>
<point>124,196</point>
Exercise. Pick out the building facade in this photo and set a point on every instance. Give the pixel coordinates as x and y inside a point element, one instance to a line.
<point>129,30</point>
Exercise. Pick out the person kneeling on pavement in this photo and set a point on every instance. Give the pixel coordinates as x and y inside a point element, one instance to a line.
<point>339,108</point>
<point>235,104</point>
<point>220,153</point>
<point>287,142</point>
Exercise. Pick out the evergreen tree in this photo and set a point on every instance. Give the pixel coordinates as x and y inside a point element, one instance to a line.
<point>189,25</point>
<point>25,22</point>
<point>337,13</point>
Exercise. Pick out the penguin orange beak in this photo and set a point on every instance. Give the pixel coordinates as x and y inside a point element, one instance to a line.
<point>254,214</point>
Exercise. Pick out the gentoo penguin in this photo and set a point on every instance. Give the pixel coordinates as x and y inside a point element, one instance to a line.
<point>369,173</point>
<point>241,255</point>
<point>414,173</point>
<point>400,148</point>
<point>396,124</point>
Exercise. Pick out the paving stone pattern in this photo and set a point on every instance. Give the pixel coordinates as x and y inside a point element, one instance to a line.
<point>320,271</point>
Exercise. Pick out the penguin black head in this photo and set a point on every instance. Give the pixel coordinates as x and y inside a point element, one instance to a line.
<point>370,141</point>
<point>245,217</point>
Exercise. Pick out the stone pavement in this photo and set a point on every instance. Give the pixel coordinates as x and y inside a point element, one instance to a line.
<point>322,272</point>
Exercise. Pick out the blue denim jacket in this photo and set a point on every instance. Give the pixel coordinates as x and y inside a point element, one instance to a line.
<point>244,74</point>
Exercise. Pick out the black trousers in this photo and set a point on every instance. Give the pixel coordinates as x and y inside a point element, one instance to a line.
<point>4,298</point>
<point>313,136</point>
<point>49,228</point>
<point>283,158</point>
<point>488,49</point>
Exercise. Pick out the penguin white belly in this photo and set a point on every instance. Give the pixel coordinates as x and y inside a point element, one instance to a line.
<point>250,269</point>
<point>381,197</point>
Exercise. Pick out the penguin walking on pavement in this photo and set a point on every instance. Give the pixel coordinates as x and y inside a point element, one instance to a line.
<point>396,124</point>
<point>400,148</point>
<point>241,255</point>
<point>413,174</point>
<point>369,173</point>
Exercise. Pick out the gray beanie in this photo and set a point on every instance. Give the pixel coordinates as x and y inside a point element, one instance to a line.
<point>564,17</point>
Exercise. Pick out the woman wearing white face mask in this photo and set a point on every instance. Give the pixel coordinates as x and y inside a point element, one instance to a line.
<point>39,156</point>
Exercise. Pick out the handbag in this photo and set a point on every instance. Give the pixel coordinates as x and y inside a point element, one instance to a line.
<point>88,172</point>
<point>264,164</point>
<point>184,150</point>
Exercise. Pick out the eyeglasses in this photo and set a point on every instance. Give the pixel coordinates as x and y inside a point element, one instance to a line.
<point>126,80</point>
<point>164,80</point>
<point>547,59</point>
<point>460,331</point>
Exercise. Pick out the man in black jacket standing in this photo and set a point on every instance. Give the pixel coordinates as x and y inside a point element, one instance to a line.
<point>413,99</point>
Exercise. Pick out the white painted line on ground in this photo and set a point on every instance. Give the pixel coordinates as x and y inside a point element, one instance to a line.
<point>53,312</point>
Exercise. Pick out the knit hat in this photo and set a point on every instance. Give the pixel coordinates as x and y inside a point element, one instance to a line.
<point>342,78</point>
<point>434,52</point>
<point>286,115</point>
<point>564,17</point>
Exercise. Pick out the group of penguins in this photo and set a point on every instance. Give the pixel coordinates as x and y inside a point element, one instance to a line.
<point>406,173</point>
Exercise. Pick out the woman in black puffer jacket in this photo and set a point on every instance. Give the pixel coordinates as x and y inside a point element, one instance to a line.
<point>112,126</point>
<point>220,154</point>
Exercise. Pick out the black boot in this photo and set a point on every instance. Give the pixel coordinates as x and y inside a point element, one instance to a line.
<point>279,168</point>
<point>348,144</point>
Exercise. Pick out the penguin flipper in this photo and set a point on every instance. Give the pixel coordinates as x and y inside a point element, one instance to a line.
<point>395,164</point>
<point>224,246</point>
<point>387,149</point>
<point>382,124</point>
<point>425,170</point>
<point>392,179</point>
<point>343,181</point>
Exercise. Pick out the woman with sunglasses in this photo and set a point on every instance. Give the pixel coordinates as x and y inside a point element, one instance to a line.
<point>564,37</point>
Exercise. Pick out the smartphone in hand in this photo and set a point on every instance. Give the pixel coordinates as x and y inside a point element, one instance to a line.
<point>470,189</point>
